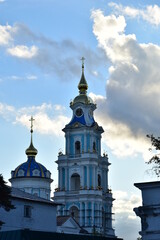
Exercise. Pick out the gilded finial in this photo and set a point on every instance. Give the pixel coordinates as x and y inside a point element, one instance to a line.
<point>82,86</point>
<point>31,119</point>
<point>82,59</point>
<point>31,151</point>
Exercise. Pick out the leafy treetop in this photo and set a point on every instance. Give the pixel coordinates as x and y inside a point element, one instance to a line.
<point>5,192</point>
<point>155,159</point>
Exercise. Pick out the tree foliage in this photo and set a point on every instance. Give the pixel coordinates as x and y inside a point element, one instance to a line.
<point>5,201</point>
<point>155,159</point>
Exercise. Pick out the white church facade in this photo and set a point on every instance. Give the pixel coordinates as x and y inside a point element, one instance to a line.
<point>31,213</point>
<point>30,195</point>
<point>83,171</point>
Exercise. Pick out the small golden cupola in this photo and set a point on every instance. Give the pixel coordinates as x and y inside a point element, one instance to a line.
<point>82,86</point>
<point>31,150</point>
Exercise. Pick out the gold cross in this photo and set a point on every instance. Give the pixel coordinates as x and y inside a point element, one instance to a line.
<point>32,119</point>
<point>82,59</point>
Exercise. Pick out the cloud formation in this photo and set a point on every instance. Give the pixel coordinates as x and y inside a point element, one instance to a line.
<point>150,13</point>
<point>50,119</point>
<point>124,203</point>
<point>22,51</point>
<point>124,214</point>
<point>132,106</point>
<point>5,34</point>
<point>18,42</point>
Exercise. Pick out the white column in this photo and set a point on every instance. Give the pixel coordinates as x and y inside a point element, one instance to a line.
<point>106,180</point>
<point>96,177</point>
<point>87,176</point>
<point>86,222</point>
<point>103,179</point>
<point>66,178</point>
<point>69,180</point>
<point>85,142</point>
<point>60,179</point>
<point>66,147</point>
<point>93,177</point>
<point>100,215</point>
<point>98,219</point>
<point>92,214</point>
<point>82,176</point>
<point>80,214</point>
<point>68,143</point>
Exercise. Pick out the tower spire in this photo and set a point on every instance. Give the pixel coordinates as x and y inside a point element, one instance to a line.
<point>82,59</point>
<point>31,151</point>
<point>82,86</point>
<point>31,119</point>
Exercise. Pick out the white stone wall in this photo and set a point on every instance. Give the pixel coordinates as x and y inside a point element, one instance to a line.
<point>43,217</point>
<point>149,212</point>
<point>37,186</point>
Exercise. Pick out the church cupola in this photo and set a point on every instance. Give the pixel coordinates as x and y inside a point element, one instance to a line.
<point>82,105</point>
<point>31,150</point>
<point>82,86</point>
<point>31,176</point>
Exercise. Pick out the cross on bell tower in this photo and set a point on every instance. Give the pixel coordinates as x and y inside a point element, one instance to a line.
<point>31,120</point>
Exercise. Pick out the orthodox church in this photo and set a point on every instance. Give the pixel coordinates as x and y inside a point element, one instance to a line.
<point>31,176</point>
<point>82,170</point>
<point>30,194</point>
<point>83,197</point>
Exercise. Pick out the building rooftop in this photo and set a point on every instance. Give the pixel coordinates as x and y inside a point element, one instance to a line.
<point>17,193</point>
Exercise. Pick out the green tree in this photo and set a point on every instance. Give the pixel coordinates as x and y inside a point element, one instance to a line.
<point>155,159</point>
<point>5,192</point>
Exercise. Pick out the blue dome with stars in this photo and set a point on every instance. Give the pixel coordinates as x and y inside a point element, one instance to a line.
<point>31,168</point>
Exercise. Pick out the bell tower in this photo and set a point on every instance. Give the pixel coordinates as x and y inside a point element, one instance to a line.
<point>82,171</point>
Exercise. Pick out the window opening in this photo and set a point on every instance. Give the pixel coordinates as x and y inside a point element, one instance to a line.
<point>77,147</point>
<point>94,147</point>
<point>74,212</point>
<point>99,180</point>
<point>75,182</point>
<point>27,211</point>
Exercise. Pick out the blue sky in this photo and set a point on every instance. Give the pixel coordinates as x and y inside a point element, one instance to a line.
<point>41,43</point>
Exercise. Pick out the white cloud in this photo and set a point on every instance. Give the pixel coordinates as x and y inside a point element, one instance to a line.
<point>132,107</point>
<point>109,31</point>
<point>125,203</point>
<point>28,77</point>
<point>22,51</point>
<point>45,124</point>
<point>18,40</point>
<point>49,119</point>
<point>118,136</point>
<point>150,13</point>
<point>125,216</point>
<point>31,77</point>
<point>5,34</point>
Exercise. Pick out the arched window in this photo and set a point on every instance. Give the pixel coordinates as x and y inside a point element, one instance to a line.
<point>20,173</point>
<point>36,172</point>
<point>74,212</point>
<point>63,178</point>
<point>75,182</point>
<point>77,147</point>
<point>94,146</point>
<point>99,180</point>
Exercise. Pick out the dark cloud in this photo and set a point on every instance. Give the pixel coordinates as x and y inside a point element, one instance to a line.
<point>61,59</point>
